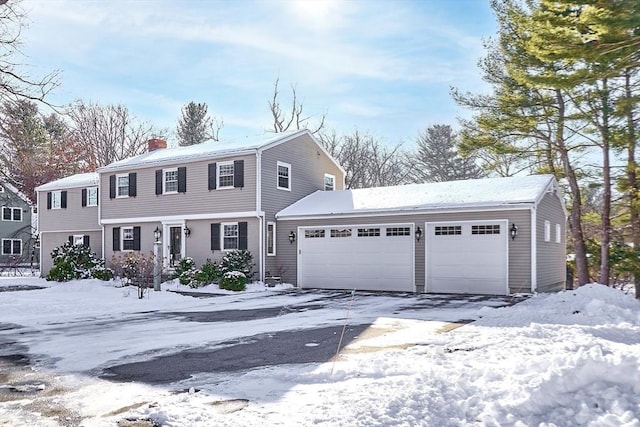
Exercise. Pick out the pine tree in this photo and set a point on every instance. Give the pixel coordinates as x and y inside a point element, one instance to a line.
<point>195,126</point>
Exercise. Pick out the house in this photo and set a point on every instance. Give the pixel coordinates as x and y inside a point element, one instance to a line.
<point>16,228</point>
<point>68,213</point>
<point>484,236</point>
<point>204,200</point>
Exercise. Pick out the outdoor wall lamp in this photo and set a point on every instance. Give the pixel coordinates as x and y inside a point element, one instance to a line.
<point>513,231</point>
<point>418,233</point>
<point>292,237</point>
<point>157,233</point>
<point>187,231</point>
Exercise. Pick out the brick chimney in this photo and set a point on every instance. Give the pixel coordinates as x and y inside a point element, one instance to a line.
<point>156,144</point>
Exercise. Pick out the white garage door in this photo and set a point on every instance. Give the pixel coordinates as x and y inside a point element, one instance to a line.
<point>364,257</point>
<point>467,257</point>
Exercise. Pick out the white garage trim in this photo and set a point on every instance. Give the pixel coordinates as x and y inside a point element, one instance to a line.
<point>447,275</point>
<point>357,262</point>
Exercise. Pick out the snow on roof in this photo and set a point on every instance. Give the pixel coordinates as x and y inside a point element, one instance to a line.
<point>438,195</point>
<point>206,150</point>
<point>77,180</point>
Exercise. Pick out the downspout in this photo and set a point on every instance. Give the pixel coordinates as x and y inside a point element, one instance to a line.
<point>260,214</point>
<point>534,247</point>
<point>104,248</point>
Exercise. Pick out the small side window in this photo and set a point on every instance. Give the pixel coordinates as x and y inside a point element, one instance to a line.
<point>284,176</point>
<point>329,182</point>
<point>547,231</point>
<point>271,238</point>
<point>558,233</point>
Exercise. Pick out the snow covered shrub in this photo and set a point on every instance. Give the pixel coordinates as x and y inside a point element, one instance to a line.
<point>233,281</point>
<point>205,275</point>
<point>185,271</point>
<point>238,260</point>
<point>77,262</point>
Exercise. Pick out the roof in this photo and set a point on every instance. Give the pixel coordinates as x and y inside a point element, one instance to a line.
<point>205,150</point>
<point>15,191</point>
<point>78,180</point>
<point>473,193</point>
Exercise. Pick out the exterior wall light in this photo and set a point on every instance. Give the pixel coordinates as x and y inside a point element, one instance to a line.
<point>418,233</point>
<point>292,237</point>
<point>157,233</point>
<point>513,231</point>
<point>187,231</point>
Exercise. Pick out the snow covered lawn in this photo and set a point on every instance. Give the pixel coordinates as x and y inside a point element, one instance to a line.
<point>570,358</point>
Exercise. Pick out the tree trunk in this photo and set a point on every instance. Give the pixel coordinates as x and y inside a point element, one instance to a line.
<point>606,194</point>
<point>632,179</point>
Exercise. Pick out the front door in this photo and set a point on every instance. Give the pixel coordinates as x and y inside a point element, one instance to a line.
<point>175,245</point>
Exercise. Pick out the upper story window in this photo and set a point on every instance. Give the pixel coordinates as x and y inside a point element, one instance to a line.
<point>56,200</point>
<point>558,233</point>
<point>547,231</point>
<point>122,185</point>
<point>284,176</point>
<point>170,180</point>
<point>11,214</point>
<point>225,174</point>
<point>329,182</point>
<point>91,196</point>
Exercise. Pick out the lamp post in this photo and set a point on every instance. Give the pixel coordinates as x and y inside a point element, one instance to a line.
<point>157,266</point>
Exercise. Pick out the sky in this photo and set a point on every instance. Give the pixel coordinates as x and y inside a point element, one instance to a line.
<point>570,358</point>
<point>382,67</point>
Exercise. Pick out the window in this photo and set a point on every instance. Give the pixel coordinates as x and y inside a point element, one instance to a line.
<point>56,199</point>
<point>547,231</point>
<point>229,236</point>
<point>127,239</point>
<point>122,185</point>
<point>558,233</point>
<point>368,232</point>
<point>345,232</point>
<point>271,238</point>
<point>92,196</point>
<point>313,234</point>
<point>448,230</point>
<point>485,229</point>
<point>79,239</point>
<point>11,247</point>
<point>170,180</point>
<point>284,176</point>
<point>225,175</point>
<point>398,231</point>
<point>329,182</point>
<point>11,214</point>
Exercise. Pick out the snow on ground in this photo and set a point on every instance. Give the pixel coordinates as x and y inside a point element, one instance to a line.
<point>570,358</point>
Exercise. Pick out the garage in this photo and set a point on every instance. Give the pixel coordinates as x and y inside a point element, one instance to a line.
<point>467,257</point>
<point>362,257</point>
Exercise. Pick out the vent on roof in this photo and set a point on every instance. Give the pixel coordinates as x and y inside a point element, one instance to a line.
<point>156,144</point>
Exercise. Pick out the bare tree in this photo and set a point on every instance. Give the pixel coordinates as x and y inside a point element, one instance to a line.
<point>367,161</point>
<point>15,81</point>
<point>195,126</point>
<point>294,118</point>
<point>108,133</point>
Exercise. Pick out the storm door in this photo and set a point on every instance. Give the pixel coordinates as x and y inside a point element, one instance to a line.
<point>175,245</point>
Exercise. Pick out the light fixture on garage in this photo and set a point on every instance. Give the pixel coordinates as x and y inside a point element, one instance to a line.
<point>418,233</point>
<point>513,231</point>
<point>187,231</point>
<point>157,233</point>
<point>292,237</point>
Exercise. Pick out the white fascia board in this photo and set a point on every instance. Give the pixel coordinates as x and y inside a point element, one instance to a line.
<point>178,218</point>
<point>514,207</point>
<point>534,248</point>
<point>70,231</point>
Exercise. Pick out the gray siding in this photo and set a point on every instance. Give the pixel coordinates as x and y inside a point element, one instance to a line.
<point>17,230</point>
<point>51,240</point>
<point>198,199</point>
<point>552,256</point>
<point>519,249</point>
<point>308,165</point>
<point>74,217</point>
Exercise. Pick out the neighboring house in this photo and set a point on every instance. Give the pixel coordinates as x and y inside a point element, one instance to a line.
<point>16,228</point>
<point>484,236</point>
<point>68,212</point>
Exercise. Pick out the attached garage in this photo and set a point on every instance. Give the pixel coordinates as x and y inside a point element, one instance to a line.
<point>363,257</point>
<point>468,257</point>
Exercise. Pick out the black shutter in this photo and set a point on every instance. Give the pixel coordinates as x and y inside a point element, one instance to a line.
<point>116,239</point>
<point>238,173</point>
<point>136,238</point>
<point>212,176</point>
<point>215,237</point>
<point>133,192</point>
<point>71,240</point>
<point>84,197</point>
<point>63,199</point>
<point>159,181</point>
<point>112,186</point>
<point>6,247</point>
<point>182,179</point>
<point>85,240</point>
<point>49,200</point>
<point>97,196</point>
<point>242,235</point>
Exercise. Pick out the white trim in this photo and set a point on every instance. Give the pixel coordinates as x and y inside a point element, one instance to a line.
<point>193,217</point>
<point>273,238</point>
<point>534,248</point>
<point>284,165</point>
<point>324,184</point>
<point>53,197</point>
<point>166,243</point>
<point>218,165</point>
<point>164,180</point>
<point>505,233</point>
<point>118,176</point>
<point>80,238</point>
<point>95,187</point>
<point>558,233</point>
<point>122,249</point>
<point>222,225</point>
<point>70,231</point>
